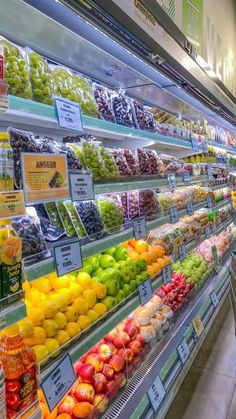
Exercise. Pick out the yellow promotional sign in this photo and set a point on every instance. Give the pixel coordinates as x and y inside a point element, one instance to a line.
<point>12,204</point>
<point>45,177</point>
<point>198,325</point>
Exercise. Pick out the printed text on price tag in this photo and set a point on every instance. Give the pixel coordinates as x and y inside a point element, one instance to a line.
<point>166,274</point>
<point>214,299</point>
<point>145,291</point>
<point>183,351</point>
<point>186,177</point>
<point>174,216</point>
<point>81,186</point>
<point>190,208</point>
<point>156,393</point>
<point>171,180</point>
<point>68,115</point>
<point>140,228</point>
<point>209,202</point>
<point>67,257</point>
<point>58,382</point>
<point>198,325</point>
<point>182,251</point>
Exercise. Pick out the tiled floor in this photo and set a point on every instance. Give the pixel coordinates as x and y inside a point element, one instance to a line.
<point>209,390</point>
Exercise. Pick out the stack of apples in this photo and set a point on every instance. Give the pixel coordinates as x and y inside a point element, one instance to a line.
<point>175,292</point>
<point>102,371</point>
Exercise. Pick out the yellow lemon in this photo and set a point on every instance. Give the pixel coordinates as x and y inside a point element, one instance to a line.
<point>83,322</point>
<point>76,289</point>
<point>41,352</point>
<point>71,314</point>
<point>28,304</point>
<point>100,309</point>
<point>60,282</point>
<point>72,328</point>
<point>60,300</point>
<point>62,337</point>
<point>60,320</point>
<point>52,346</point>
<point>81,305</point>
<point>84,280</point>
<point>90,297</point>
<point>42,284</point>
<point>11,330</point>
<point>26,327</point>
<point>32,295</point>
<point>38,337</point>
<point>99,289</point>
<point>67,293</point>
<point>50,327</point>
<point>49,308</point>
<point>36,315</point>
<point>92,315</point>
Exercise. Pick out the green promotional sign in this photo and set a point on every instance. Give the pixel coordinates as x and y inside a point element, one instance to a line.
<point>192,25</point>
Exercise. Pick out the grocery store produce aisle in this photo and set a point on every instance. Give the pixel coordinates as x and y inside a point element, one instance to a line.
<point>209,390</point>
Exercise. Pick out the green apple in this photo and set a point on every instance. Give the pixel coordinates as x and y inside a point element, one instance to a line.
<point>139,279</point>
<point>86,268</point>
<point>133,285</point>
<point>144,275</point>
<point>110,251</point>
<point>93,261</point>
<point>106,261</point>
<point>95,273</point>
<point>112,287</point>
<point>109,302</point>
<point>120,253</point>
<point>126,289</point>
<point>120,296</point>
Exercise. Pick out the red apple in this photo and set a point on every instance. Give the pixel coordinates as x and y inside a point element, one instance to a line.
<point>130,329</point>
<point>86,373</point>
<point>76,366</point>
<point>135,346</point>
<point>111,389</point>
<point>117,363</point>
<point>84,393</point>
<point>109,337</point>
<point>120,340</point>
<point>120,379</point>
<point>126,354</point>
<point>66,405</point>
<point>105,352</point>
<point>99,382</point>
<point>108,371</point>
<point>112,347</point>
<point>96,361</point>
<point>100,402</point>
<point>140,339</point>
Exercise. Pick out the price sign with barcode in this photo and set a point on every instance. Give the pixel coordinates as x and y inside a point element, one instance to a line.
<point>209,202</point>
<point>140,228</point>
<point>214,299</point>
<point>214,230</point>
<point>166,274</point>
<point>67,257</point>
<point>68,115</point>
<point>174,215</point>
<point>58,382</point>
<point>182,251</point>
<point>171,180</point>
<point>198,325</point>
<point>145,291</point>
<point>81,186</point>
<point>207,232</point>
<point>190,208</point>
<point>156,393</point>
<point>186,177</point>
<point>183,351</point>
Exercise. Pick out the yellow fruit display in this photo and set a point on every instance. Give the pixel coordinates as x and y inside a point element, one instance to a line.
<point>90,297</point>
<point>36,315</point>
<point>76,289</point>
<point>100,309</point>
<point>50,327</point>
<point>42,284</point>
<point>11,330</point>
<point>33,295</point>
<point>41,352</point>
<point>26,328</point>
<point>62,337</point>
<point>92,315</point>
<point>72,328</point>
<point>99,289</point>
<point>60,320</point>
<point>81,305</point>
<point>60,300</point>
<point>71,314</point>
<point>60,282</point>
<point>84,280</point>
<point>83,321</point>
<point>49,308</point>
<point>67,293</point>
<point>38,337</point>
<point>52,346</point>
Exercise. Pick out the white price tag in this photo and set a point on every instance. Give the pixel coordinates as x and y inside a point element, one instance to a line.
<point>68,115</point>
<point>174,215</point>
<point>214,299</point>
<point>214,230</point>
<point>182,251</point>
<point>58,382</point>
<point>145,291</point>
<point>171,180</point>
<point>166,274</point>
<point>186,177</point>
<point>140,229</point>
<point>209,202</point>
<point>81,186</point>
<point>190,208</point>
<point>67,257</point>
<point>156,393</point>
<point>208,232</point>
<point>183,351</point>
<point>3,322</point>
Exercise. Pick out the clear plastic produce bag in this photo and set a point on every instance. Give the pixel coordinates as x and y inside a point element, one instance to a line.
<point>121,162</point>
<point>75,218</point>
<point>111,169</point>
<point>91,219</point>
<point>41,79</point>
<point>144,116</point>
<point>133,205</point>
<point>111,214</point>
<point>132,162</point>
<point>123,110</point>
<point>104,103</point>
<point>65,219</point>
<point>144,162</point>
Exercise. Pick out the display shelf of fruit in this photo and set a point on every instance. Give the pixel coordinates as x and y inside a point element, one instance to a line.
<point>11,314</point>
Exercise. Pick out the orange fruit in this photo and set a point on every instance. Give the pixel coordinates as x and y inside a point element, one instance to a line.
<point>151,270</point>
<point>133,255</point>
<point>132,242</point>
<point>141,246</point>
<point>167,259</point>
<point>64,416</point>
<point>156,266</point>
<point>161,262</point>
<point>129,248</point>
<point>159,250</point>
<point>44,409</point>
<point>146,256</point>
<point>82,409</point>
<point>52,415</point>
<point>154,254</point>
<point>125,244</point>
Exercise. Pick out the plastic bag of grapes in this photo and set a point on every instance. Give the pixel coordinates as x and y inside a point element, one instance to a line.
<point>16,71</point>
<point>111,214</point>
<point>41,78</point>
<point>93,158</point>
<point>104,103</point>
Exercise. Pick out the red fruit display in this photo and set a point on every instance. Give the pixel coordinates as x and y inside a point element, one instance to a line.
<point>117,363</point>
<point>67,405</point>
<point>126,354</point>
<point>99,382</point>
<point>84,393</point>
<point>121,339</point>
<point>86,373</point>
<point>120,380</point>
<point>108,371</point>
<point>131,329</point>
<point>105,352</point>
<point>174,293</point>
<point>95,360</point>
<point>100,402</point>
<point>111,389</point>
<point>77,366</point>
<point>135,346</point>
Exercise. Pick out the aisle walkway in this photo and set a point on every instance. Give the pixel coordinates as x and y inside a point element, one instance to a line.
<point>209,390</point>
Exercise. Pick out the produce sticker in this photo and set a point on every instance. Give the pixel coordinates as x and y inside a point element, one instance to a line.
<point>45,177</point>
<point>12,204</point>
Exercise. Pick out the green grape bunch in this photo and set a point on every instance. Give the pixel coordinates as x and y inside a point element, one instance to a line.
<point>41,79</point>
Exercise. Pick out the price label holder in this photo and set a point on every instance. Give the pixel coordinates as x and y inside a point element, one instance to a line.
<point>174,215</point>
<point>214,230</point>
<point>214,299</point>
<point>171,180</point>
<point>140,228</point>
<point>58,382</point>
<point>145,291</point>
<point>207,232</point>
<point>68,115</point>
<point>216,262</point>
<point>198,325</point>
<point>67,257</point>
<point>182,251</point>
<point>81,186</point>
<point>156,393</point>
<point>209,202</point>
<point>190,210</point>
<point>195,146</point>
<point>183,351</point>
<point>166,274</point>
<point>186,177</point>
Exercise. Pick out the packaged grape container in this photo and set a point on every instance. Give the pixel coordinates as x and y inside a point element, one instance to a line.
<point>41,78</point>
<point>144,116</point>
<point>104,103</point>
<point>166,201</point>
<point>90,218</point>
<point>50,231</point>
<point>93,158</point>
<point>75,218</point>
<point>121,162</point>
<point>144,162</point>
<point>16,71</point>
<point>133,205</point>
<point>88,105</point>
<point>111,169</point>
<point>132,162</point>
<point>156,164</point>
<point>73,161</point>
<point>53,214</point>
<point>148,204</point>
<point>111,215</point>
<point>123,110</point>
<point>65,219</point>
<point>77,150</point>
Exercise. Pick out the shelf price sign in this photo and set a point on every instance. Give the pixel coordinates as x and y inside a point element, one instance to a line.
<point>186,177</point>
<point>81,186</point>
<point>216,262</point>
<point>68,115</point>
<point>190,208</point>
<point>182,251</point>
<point>140,228</point>
<point>207,232</point>
<point>58,382</point>
<point>171,180</point>
<point>174,215</point>
<point>166,274</point>
<point>145,291</point>
<point>214,299</point>
<point>156,393</point>
<point>183,351</point>
<point>12,204</point>
<point>198,325</point>
<point>67,257</point>
<point>214,230</point>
